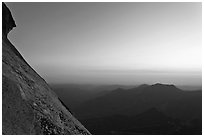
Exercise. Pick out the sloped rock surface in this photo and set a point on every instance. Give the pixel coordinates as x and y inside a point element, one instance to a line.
<point>29,106</point>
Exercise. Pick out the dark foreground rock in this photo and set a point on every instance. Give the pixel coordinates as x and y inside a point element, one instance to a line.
<point>29,106</point>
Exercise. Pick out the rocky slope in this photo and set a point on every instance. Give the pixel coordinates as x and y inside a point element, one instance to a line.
<point>29,106</point>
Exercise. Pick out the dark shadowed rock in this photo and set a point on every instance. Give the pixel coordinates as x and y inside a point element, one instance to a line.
<point>7,20</point>
<point>29,106</point>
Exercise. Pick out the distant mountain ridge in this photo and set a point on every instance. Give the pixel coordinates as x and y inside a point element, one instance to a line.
<point>157,109</point>
<point>167,98</point>
<point>75,94</point>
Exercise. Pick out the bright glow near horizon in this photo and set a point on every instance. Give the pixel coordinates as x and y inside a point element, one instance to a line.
<point>111,43</point>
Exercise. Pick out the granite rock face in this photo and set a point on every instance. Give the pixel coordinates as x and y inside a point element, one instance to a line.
<point>29,106</point>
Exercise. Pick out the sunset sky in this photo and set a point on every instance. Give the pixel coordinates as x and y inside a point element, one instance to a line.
<point>111,43</point>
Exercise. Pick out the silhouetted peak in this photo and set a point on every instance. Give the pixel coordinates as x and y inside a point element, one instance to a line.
<point>7,20</point>
<point>163,85</point>
<point>163,88</point>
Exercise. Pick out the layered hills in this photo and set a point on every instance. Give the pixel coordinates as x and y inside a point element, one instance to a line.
<point>29,106</point>
<point>146,109</point>
<point>166,98</point>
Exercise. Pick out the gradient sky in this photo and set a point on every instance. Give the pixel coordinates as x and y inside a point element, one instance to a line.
<point>111,43</point>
